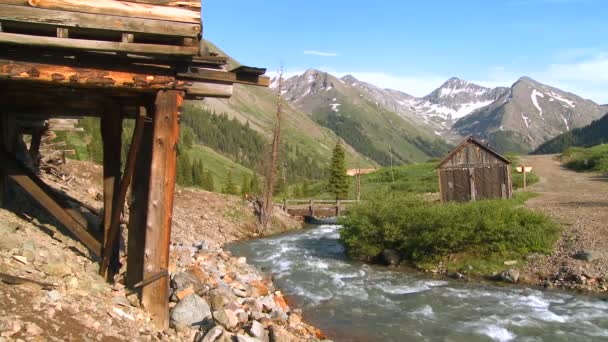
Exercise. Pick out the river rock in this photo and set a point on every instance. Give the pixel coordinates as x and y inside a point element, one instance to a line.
<point>587,255</point>
<point>227,318</point>
<point>257,330</point>
<point>183,280</point>
<point>391,257</point>
<point>279,334</point>
<point>511,275</point>
<point>190,311</point>
<point>220,297</point>
<point>213,334</point>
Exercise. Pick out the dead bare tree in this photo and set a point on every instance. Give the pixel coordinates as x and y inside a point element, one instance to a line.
<point>266,204</point>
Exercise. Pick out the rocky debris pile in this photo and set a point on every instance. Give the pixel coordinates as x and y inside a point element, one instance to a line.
<point>219,297</point>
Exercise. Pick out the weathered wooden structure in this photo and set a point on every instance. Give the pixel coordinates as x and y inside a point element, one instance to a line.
<point>473,171</point>
<point>316,208</point>
<point>115,60</point>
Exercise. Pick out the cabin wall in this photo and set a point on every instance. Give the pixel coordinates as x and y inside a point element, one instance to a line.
<point>474,173</point>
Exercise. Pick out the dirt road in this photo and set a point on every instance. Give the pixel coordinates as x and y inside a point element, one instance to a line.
<point>578,201</point>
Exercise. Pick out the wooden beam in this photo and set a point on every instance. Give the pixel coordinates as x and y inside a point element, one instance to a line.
<point>39,192</point>
<point>96,45</point>
<point>194,4</point>
<point>119,8</point>
<point>105,21</point>
<point>138,209</point>
<point>155,296</point>
<point>8,135</point>
<point>224,76</point>
<point>111,134</point>
<point>110,247</point>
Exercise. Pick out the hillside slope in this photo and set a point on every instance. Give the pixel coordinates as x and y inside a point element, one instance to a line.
<point>527,115</point>
<point>594,134</point>
<point>363,115</point>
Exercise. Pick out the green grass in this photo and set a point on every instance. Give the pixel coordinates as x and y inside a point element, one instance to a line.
<point>587,159</point>
<point>518,178</point>
<point>483,233</point>
<point>219,165</point>
<point>412,178</point>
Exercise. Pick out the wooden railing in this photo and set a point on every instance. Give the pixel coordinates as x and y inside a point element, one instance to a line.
<point>316,208</point>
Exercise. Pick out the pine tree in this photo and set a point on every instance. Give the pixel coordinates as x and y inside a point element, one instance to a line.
<point>209,183</point>
<point>245,190</point>
<point>198,173</point>
<point>305,189</point>
<point>187,170</point>
<point>254,184</point>
<point>229,186</point>
<point>179,171</point>
<point>338,179</point>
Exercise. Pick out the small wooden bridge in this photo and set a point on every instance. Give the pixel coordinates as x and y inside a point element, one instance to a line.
<point>316,208</point>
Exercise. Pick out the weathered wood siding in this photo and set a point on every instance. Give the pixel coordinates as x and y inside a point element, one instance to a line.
<point>473,172</point>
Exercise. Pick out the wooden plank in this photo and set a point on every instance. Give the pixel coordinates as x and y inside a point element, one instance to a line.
<point>138,209</point>
<point>223,76</point>
<point>74,76</point>
<point>205,89</point>
<point>111,135</point>
<point>119,8</point>
<point>155,296</point>
<point>37,190</point>
<point>194,4</point>
<point>96,45</point>
<point>105,21</point>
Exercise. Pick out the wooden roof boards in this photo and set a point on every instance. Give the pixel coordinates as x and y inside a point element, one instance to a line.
<point>471,140</point>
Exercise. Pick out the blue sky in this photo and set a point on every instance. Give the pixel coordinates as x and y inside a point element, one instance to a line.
<point>414,46</point>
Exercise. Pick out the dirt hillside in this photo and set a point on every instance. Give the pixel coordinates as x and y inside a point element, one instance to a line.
<point>578,201</point>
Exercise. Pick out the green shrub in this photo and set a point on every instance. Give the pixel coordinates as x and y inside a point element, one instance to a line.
<point>424,231</point>
<point>587,159</point>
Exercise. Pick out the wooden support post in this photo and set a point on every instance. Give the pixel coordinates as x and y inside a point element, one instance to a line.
<point>138,209</point>
<point>337,208</point>
<point>111,134</point>
<point>312,210</point>
<point>8,134</point>
<point>34,150</point>
<point>472,184</point>
<point>62,32</point>
<point>155,296</point>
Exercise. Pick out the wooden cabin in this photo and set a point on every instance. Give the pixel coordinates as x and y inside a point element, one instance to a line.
<point>115,60</point>
<point>473,171</point>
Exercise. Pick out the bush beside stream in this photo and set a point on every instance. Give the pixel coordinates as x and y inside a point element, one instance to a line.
<point>424,231</point>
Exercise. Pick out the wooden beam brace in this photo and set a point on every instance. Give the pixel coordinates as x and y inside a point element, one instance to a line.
<point>114,224</point>
<point>138,209</point>
<point>111,134</point>
<point>196,73</point>
<point>105,21</point>
<point>119,8</point>
<point>96,45</point>
<point>38,190</point>
<point>155,296</point>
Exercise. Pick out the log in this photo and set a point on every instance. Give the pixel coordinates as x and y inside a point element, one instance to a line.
<point>38,191</point>
<point>111,134</point>
<point>193,4</point>
<point>97,45</point>
<point>104,21</point>
<point>138,209</point>
<point>155,296</point>
<point>120,8</point>
<point>114,225</point>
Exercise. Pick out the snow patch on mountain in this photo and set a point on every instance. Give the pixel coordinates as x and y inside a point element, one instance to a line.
<point>534,96</point>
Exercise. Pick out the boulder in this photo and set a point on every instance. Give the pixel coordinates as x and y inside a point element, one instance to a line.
<point>226,318</point>
<point>511,276</point>
<point>587,255</point>
<point>190,311</point>
<point>213,334</point>
<point>183,280</point>
<point>390,257</point>
<point>220,297</point>
<point>279,334</point>
<point>257,330</point>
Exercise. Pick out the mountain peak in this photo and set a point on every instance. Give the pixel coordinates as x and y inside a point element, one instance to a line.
<point>349,79</point>
<point>526,79</point>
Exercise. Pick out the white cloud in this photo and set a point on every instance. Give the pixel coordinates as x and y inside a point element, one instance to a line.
<point>320,53</point>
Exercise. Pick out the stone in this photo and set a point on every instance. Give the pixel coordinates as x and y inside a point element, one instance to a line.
<point>184,293</point>
<point>190,311</point>
<point>258,289</point>
<point>72,283</point>
<point>390,257</point>
<point>241,260</point>
<point>32,329</point>
<point>220,297</point>
<point>267,303</point>
<point>587,255</point>
<point>279,334</point>
<point>213,334</point>
<point>511,275</point>
<point>245,338</point>
<point>183,280</point>
<point>510,262</point>
<point>239,292</point>
<point>280,301</point>
<point>243,317</point>
<point>294,320</point>
<point>21,259</point>
<point>227,318</point>
<point>53,296</point>
<point>257,330</point>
